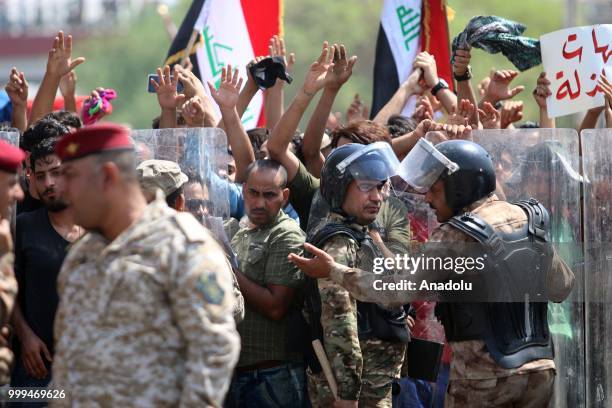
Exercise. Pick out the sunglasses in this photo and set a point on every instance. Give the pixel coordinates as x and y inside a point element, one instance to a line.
<point>195,204</point>
<point>366,186</point>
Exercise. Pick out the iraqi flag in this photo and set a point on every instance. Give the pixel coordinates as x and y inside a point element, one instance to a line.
<point>221,32</point>
<point>406,28</point>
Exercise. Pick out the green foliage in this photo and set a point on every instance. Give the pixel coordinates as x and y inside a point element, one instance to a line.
<point>123,60</point>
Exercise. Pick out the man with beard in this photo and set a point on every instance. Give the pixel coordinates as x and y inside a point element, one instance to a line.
<point>43,236</point>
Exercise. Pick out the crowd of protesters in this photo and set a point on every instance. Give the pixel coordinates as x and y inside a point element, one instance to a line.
<point>222,325</point>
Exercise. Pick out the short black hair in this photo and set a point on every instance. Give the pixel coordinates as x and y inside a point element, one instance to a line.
<point>180,121</point>
<point>173,196</point>
<point>400,125</point>
<point>40,130</point>
<point>44,149</point>
<point>66,118</point>
<point>265,164</point>
<point>257,137</point>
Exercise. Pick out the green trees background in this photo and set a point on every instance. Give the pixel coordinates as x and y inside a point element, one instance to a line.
<point>123,59</point>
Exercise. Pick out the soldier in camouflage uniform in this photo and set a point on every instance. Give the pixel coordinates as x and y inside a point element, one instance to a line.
<point>145,313</point>
<point>10,192</point>
<point>363,364</point>
<point>480,375</point>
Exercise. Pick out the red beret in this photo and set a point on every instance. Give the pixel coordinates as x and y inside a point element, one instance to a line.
<point>93,139</point>
<point>10,157</point>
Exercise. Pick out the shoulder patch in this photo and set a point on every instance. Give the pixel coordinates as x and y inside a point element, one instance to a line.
<point>193,230</point>
<point>210,289</point>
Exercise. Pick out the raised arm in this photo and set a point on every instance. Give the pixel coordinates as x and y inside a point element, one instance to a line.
<point>227,97</point>
<point>343,69</point>
<point>540,93</point>
<point>427,63</point>
<point>400,98</point>
<point>278,143</point>
<point>67,88</point>
<point>59,63</point>
<point>274,99</point>
<point>193,88</point>
<point>463,75</point>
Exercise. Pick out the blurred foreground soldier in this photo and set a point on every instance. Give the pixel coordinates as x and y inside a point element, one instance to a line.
<point>145,313</point>
<point>10,192</point>
<point>167,176</point>
<point>365,343</point>
<point>502,352</point>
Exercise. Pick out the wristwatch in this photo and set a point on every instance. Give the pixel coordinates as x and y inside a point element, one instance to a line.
<point>442,84</point>
<point>464,77</point>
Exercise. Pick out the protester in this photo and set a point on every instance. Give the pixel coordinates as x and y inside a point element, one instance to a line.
<point>42,239</point>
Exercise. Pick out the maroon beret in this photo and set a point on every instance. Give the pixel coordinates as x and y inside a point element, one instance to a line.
<point>93,139</point>
<point>10,157</point>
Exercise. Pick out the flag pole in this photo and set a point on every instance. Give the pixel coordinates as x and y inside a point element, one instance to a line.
<point>192,39</point>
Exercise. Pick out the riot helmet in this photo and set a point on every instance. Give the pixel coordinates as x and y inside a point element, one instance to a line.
<point>465,168</point>
<point>373,162</point>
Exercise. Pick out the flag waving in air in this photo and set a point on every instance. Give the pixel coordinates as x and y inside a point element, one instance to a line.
<point>215,33</point>
<point>408,27</point>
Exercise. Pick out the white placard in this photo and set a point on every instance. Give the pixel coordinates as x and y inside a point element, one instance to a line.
<point>574,59</point>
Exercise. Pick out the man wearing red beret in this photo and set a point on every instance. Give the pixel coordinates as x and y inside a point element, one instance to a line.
<point>10,192</point>
<point>145,314</point>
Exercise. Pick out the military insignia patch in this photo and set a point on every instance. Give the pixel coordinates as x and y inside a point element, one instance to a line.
<point>210,289</point>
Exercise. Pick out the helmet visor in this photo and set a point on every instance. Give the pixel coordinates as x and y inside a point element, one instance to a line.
<point>376,162</point>
<point>424,165</point>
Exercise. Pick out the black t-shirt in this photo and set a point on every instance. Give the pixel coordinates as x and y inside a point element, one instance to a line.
<point>28,203</point>
<point>39,253</point>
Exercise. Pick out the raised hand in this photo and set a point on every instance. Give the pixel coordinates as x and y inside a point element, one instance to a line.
<point>461,62</point>
<point>193,112</point>
<point>454,132</point>
<point>511,112</point>
<point>357,110</point>
<point>192,85</point>
<point>167,96</point>
<point>461,114</point>
<point>489,116</point>
<point>277,49</point>
<point>319,70</point>
<point>60,60</point>
<point>499,86</point>
<point>229,88</point>
<point>343,68</point>
<point>542,90</point>
<point>426,126</point>
<point>606,88</point>
<point>17,88</point>
<point>427,63</point>
<point>424,110</point>
<point>250,81</point>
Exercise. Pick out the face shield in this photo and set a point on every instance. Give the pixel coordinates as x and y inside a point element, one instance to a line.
<point>376,162</point>
<point>422,167</point>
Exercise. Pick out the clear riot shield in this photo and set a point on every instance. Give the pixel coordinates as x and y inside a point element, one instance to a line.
<point>597,166</point>
<point>202,155</point>
<point>544,164</point>
<point>11,136</point>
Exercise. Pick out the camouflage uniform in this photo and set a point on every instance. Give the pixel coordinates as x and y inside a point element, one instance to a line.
<point>8,293</point>
<point>472,366</point>
<point>146,320</point>
<point>364,369</point>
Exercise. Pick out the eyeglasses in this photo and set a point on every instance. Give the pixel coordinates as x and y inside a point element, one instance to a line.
<point>366,186</point>
<point>195,204</point>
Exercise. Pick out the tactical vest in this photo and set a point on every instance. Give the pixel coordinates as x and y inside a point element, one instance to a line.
<point>373,321</point>
<point>514,332</point>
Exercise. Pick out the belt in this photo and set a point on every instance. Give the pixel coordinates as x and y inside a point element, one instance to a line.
<point>260,366</point>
